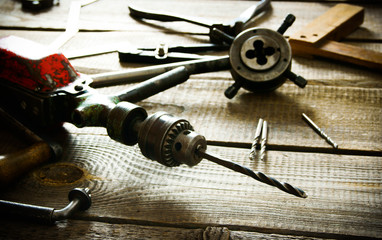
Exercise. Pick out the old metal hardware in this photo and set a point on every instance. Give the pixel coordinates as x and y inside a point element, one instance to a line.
<point>79,200</point>
<point>168,54</point>
<point>232,29</point>
<point>161,137</point>
<point>37,5</point>
<point>261,60</point>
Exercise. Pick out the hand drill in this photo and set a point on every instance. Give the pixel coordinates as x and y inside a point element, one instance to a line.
<point>44,89</point>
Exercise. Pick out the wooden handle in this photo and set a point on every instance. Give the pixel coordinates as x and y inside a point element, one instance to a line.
<point>15,164</point>
<point>319,38</point>
<point>342,52</point>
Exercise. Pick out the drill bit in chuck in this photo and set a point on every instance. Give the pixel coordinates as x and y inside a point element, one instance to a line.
<point>172,141</point>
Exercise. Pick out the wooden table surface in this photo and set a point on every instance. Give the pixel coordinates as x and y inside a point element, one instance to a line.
<point>134,197</point>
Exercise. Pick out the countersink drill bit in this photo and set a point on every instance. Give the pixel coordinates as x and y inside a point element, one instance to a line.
<point>252,153</point>
<point>259,176</point>
<point>319,131</point>
<point>264,136</point>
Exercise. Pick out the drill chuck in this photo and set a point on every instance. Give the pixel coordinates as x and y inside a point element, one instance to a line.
<point>169,140</point>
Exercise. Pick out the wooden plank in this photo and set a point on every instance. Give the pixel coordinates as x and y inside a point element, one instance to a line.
<point>343,191</point>
<point>99,230</point>
<point>318,72</point>
<point>350,116</point>
<point>319,37</point>
<point>97,16</point>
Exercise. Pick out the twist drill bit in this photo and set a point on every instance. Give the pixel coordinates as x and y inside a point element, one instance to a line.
<point>319,131</point>
<point>264,136</point>
<point>259,176</point>
<point>252,153</point>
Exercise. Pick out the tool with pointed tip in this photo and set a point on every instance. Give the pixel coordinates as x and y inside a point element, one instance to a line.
<point>172,141</point>
<point>259,176</point>
<point>319,131</point>
<point>51,92</point>
<point>233,28</point>
<point>264,136</point>
<point>252,153</point>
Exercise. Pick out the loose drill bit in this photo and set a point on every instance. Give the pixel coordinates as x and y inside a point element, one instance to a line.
<point>264,136</point>
<point>252,153</point>
<point>319,131</point>
<point>259,176</point>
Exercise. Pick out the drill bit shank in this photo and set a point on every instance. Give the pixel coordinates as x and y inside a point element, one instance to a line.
<point>319,131</point>
<point>252,153</point>
<point>264,136</point>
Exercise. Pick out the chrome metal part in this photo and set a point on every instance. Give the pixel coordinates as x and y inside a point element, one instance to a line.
<point>252,153</point>
<point>169,140</point>
<point>264,138</point>
<point>80,200</point>
<point>319,131</point>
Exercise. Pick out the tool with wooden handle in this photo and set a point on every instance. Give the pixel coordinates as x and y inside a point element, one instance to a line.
<point>46,90</point>
<point>320,38</point>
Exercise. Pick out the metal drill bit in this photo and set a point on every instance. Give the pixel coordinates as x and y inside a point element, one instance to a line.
<point>259,176</point>
<point>252,153</point>
<point>264,136</point>
<point>319,131</point>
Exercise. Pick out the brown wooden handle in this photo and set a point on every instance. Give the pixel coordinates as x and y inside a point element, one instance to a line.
<point>14,165</point>
<point>339,51</point>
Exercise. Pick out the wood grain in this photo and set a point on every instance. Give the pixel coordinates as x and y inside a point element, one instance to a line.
<point>343,191</point>
<point>136,198</point>
<point>76,229</point>
<point>103,16</point>
<point>350,116</point>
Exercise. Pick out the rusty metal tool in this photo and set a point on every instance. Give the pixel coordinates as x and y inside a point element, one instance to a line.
<point>79,200</point>
<point>49,91</point>
<point>321,38</point>
<point>168,54</point>
<point>232,29</point>
<point>319,131</point>
<point>259,60</point>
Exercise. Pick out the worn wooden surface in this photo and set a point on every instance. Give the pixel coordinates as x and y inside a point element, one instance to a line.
<point>136,198</point>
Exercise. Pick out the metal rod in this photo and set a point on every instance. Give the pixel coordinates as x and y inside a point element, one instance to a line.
<point>259,176</point>
<point>264,136</point>
<point>154,85</point>
<point>319,131</point>
<point>252,153</point>
<point>144,73</point>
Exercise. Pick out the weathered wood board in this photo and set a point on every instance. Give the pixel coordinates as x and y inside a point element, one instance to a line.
<point>344,191</point>
<point>136,198</point>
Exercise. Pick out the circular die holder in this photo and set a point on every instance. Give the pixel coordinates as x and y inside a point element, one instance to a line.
<point>259,59</point>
